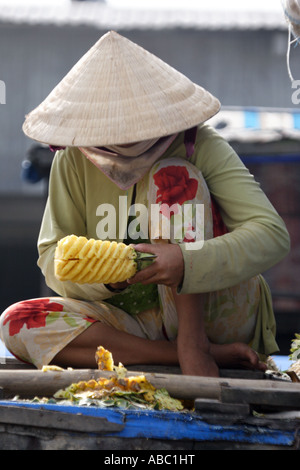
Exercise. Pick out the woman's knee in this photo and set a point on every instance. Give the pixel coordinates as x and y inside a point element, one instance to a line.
<point>180,202</point>
<point>176,180</point>
<point>28,314</point>
<point>8,315</point>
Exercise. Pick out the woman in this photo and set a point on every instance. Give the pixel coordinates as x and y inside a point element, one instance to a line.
<point>133,136</point>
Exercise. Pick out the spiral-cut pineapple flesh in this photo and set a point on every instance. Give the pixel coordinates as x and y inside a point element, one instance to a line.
<point>83,260</point>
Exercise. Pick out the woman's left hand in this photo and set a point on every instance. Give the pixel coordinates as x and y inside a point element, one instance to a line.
<point>167,269</point>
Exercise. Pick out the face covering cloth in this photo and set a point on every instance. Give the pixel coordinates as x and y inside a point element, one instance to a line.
<point>125,165</point>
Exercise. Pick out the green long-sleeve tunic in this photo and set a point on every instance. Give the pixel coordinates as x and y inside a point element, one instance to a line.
<point>257,237</point>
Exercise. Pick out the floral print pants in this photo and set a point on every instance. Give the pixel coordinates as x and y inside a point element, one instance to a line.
<point>36,330</point>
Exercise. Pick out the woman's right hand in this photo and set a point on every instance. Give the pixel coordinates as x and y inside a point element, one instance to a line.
<point>167,269</point>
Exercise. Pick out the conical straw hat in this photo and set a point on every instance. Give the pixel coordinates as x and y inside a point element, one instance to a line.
<point>118,93</point>
<point>292,13</point>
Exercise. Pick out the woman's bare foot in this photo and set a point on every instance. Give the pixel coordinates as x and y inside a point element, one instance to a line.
<point>236,355</point>
<point>201,364</point>
<point>196,358</point>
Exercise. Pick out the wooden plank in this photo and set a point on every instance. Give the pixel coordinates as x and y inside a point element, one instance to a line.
<point>13,363</point>
<point>226,373</point>
<point>211,406</point>
<point>29,383</point>
<point>18,415</point>
<point>191,387</point>
<point>283,398</point>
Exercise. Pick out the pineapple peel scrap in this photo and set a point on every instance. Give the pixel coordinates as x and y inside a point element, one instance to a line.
<point>105,361</point>
<point>119,390</point>
<point>125,393</point>
<point>52,368</point>
<point>295,348</point>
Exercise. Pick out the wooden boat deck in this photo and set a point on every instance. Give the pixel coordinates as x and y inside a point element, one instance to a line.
<point>240,410</point>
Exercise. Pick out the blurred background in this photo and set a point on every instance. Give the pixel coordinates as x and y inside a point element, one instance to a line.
<point>237,50</point>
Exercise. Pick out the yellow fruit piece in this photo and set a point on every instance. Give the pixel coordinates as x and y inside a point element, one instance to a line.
<point>104,386</point>
<point>52,368</point>
<point>104,359</point>
<point>83,260</point>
